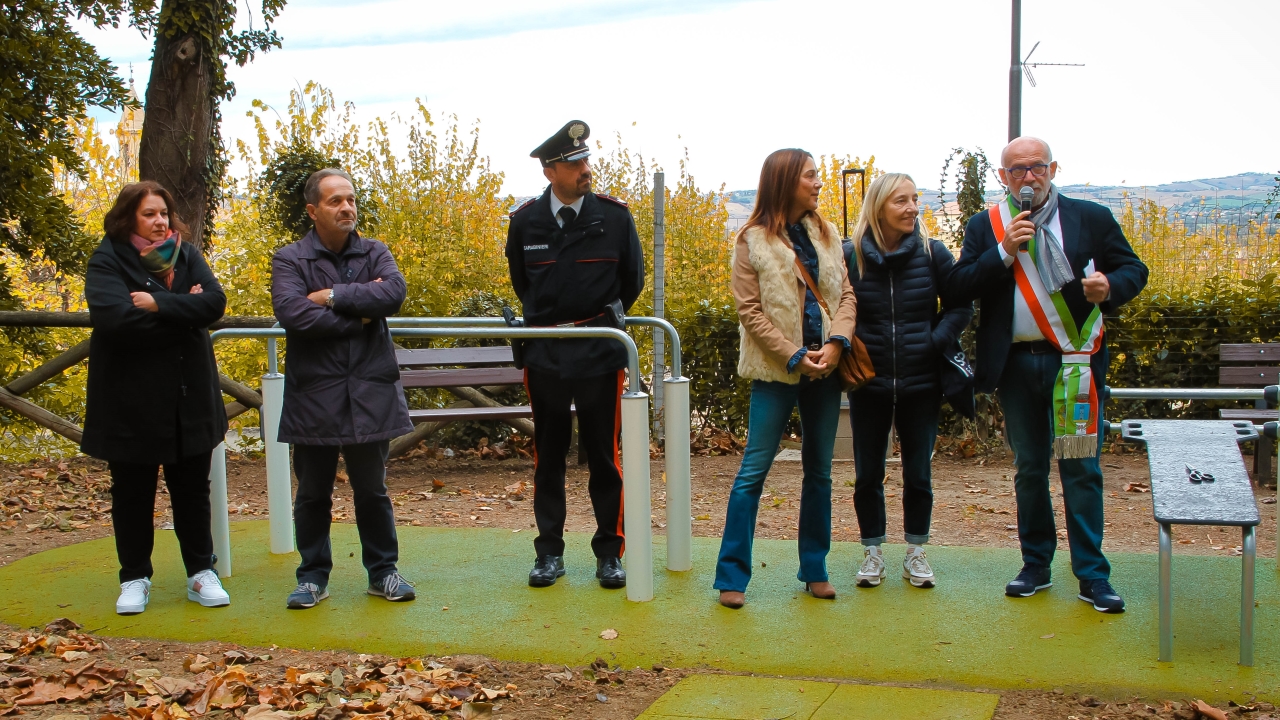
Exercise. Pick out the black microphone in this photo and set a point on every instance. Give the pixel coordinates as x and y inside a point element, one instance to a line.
<point>1026,194</point>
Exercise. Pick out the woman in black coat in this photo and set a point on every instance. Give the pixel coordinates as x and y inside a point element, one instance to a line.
<point>896,272</point>
<point>153,397</point>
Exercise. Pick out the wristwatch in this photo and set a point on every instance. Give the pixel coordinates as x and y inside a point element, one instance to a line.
<point>328,301</point>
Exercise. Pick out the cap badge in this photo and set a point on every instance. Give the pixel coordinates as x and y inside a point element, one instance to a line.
<point>575,131</point>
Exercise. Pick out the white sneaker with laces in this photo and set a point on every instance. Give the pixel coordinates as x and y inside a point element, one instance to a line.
<point>133,597</point>
<point>915,567</point>
<point>872,570</point>
<point>205,588</point>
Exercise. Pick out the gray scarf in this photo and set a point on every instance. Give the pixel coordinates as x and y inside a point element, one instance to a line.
<point>1051,262</point>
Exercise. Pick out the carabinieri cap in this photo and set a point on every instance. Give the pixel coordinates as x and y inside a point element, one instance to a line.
<point>567,145</point>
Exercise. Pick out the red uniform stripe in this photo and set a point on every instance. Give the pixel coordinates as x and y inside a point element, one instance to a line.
<point>617,430</point>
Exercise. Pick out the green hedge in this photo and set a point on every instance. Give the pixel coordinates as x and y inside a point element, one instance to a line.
<point>1158,340</point>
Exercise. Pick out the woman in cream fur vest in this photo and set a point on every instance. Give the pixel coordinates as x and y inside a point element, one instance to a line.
<point>791,342</point>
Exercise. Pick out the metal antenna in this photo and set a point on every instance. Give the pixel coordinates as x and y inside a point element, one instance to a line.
<point>1026,66</point>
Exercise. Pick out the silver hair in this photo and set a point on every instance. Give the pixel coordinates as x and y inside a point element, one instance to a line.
<point>312,189</point>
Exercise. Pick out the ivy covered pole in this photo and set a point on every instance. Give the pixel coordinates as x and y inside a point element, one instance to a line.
<point>181,145</point>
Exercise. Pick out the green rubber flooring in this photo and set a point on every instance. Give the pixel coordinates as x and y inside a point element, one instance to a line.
<point>473,598</point>
<point>735,697</point>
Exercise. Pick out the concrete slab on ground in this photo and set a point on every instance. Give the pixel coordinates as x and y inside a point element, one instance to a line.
<point>473,598</point>
<point>738,697</point>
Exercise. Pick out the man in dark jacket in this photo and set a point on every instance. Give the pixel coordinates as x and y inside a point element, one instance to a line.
<point>1049,366</point>
<point>332,292</point>
<point>575,260</point>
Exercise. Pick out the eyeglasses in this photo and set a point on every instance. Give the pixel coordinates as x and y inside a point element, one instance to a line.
<point>1020,172</point>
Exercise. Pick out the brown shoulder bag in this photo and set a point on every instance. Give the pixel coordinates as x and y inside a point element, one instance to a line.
<point>855,367</point>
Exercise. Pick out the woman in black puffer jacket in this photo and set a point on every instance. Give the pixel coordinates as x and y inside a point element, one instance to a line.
<point>896,272</point>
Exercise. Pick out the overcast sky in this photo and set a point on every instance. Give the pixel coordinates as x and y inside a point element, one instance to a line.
<point>1171,89</point>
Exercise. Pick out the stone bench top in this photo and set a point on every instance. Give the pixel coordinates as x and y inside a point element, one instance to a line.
<point>1209,446</point>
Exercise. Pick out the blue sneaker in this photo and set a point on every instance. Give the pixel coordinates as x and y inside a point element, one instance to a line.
<point>306,595</point>
<point>1031,580</point>
<point>1101,596</point>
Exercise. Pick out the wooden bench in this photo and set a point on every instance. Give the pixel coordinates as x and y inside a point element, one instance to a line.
<point>1175,448</point>
<point>1258,365</point>
<point>464,372</point>
<point>461,368</point>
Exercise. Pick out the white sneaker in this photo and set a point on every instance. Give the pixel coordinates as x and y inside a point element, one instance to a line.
<point>872,570</point>
<point>915,567</point>
<point>133,597</point>
<point>205,588</point>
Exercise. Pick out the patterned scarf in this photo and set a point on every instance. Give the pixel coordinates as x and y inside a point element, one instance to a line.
<point>158,258</point>
<point>1051,262</point>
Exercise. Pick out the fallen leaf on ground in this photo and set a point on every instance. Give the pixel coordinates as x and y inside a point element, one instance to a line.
<point>1047,637</point>
<point>1208,710</point>
<point>609,634</point>
<point>1137,487</point>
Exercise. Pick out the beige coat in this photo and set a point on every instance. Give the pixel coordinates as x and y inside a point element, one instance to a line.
<point>769,292</point>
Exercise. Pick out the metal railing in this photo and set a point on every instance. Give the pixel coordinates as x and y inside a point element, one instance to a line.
<point>635,444</point>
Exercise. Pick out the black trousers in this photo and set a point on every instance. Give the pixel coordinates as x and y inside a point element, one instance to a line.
<point>599,403</point>
<point>316,467</point>
<point>133,505</point>
<point>915,417</point>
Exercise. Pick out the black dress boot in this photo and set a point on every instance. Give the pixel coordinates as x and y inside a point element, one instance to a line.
<point>546,570</point>
<point>610,572</point>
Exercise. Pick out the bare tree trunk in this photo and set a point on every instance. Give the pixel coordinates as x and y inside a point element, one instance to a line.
<point>180,116</point>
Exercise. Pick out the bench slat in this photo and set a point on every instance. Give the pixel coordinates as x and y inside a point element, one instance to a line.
<point>1248,376</point>
<point>1250,352</point>
<point>455,356</point>
<point>1252,414</point>
<point>472,413</point>
<point>465,377</point>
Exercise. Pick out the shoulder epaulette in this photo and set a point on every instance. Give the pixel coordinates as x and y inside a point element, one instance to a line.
<point>612,199</point>
<point>523,205</point>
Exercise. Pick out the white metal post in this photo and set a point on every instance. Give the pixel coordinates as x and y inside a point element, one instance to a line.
<point>679,488</point>
<point>219,520</point>
<point>637,505</point>
<point>279,488</point>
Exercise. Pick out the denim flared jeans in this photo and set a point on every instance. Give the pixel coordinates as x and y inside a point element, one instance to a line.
<point>771,406</point>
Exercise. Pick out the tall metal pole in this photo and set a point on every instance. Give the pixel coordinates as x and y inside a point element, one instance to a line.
<point>659,301</point>
<point>1015,74</point>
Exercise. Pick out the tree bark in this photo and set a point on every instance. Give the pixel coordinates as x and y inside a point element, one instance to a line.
<point>180,115</point>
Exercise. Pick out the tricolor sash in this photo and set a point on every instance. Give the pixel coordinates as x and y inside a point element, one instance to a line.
<point>1075,394</point>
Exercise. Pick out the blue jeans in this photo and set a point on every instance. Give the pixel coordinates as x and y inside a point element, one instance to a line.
<point>771,405</point>
<point>871,414</point>
<point>1026,397</point>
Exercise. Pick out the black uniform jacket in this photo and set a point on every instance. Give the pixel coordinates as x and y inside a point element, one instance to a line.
<point>569,275</point>
<point>1089,232</point>
<point>152,394</point>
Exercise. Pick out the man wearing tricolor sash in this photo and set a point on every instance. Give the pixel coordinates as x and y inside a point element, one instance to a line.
<point>1045,279</point>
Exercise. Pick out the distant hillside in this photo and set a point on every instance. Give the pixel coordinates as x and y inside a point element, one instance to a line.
<point>1236,199</point>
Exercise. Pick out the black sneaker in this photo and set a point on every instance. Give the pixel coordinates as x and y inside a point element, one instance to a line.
<point>306,595</point>
<point>1101,596</point>
<point>393,587</point>
<point>1031,580</point>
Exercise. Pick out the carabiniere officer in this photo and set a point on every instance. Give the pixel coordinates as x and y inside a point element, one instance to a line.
<point>575,261</point>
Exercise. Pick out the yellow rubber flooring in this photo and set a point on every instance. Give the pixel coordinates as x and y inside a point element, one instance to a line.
<point>473,598</point>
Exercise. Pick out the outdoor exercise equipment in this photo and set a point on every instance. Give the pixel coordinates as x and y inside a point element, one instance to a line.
<point>1180,452</point>
<point>635,439</point>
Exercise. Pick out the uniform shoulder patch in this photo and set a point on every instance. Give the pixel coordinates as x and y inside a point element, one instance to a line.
<point>612,199</point>
<point>523,205</point>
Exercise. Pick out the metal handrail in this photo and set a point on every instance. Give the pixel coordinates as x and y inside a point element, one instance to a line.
<point>637,320</point>
<point>1186,393</point>
<point>633,353</point>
